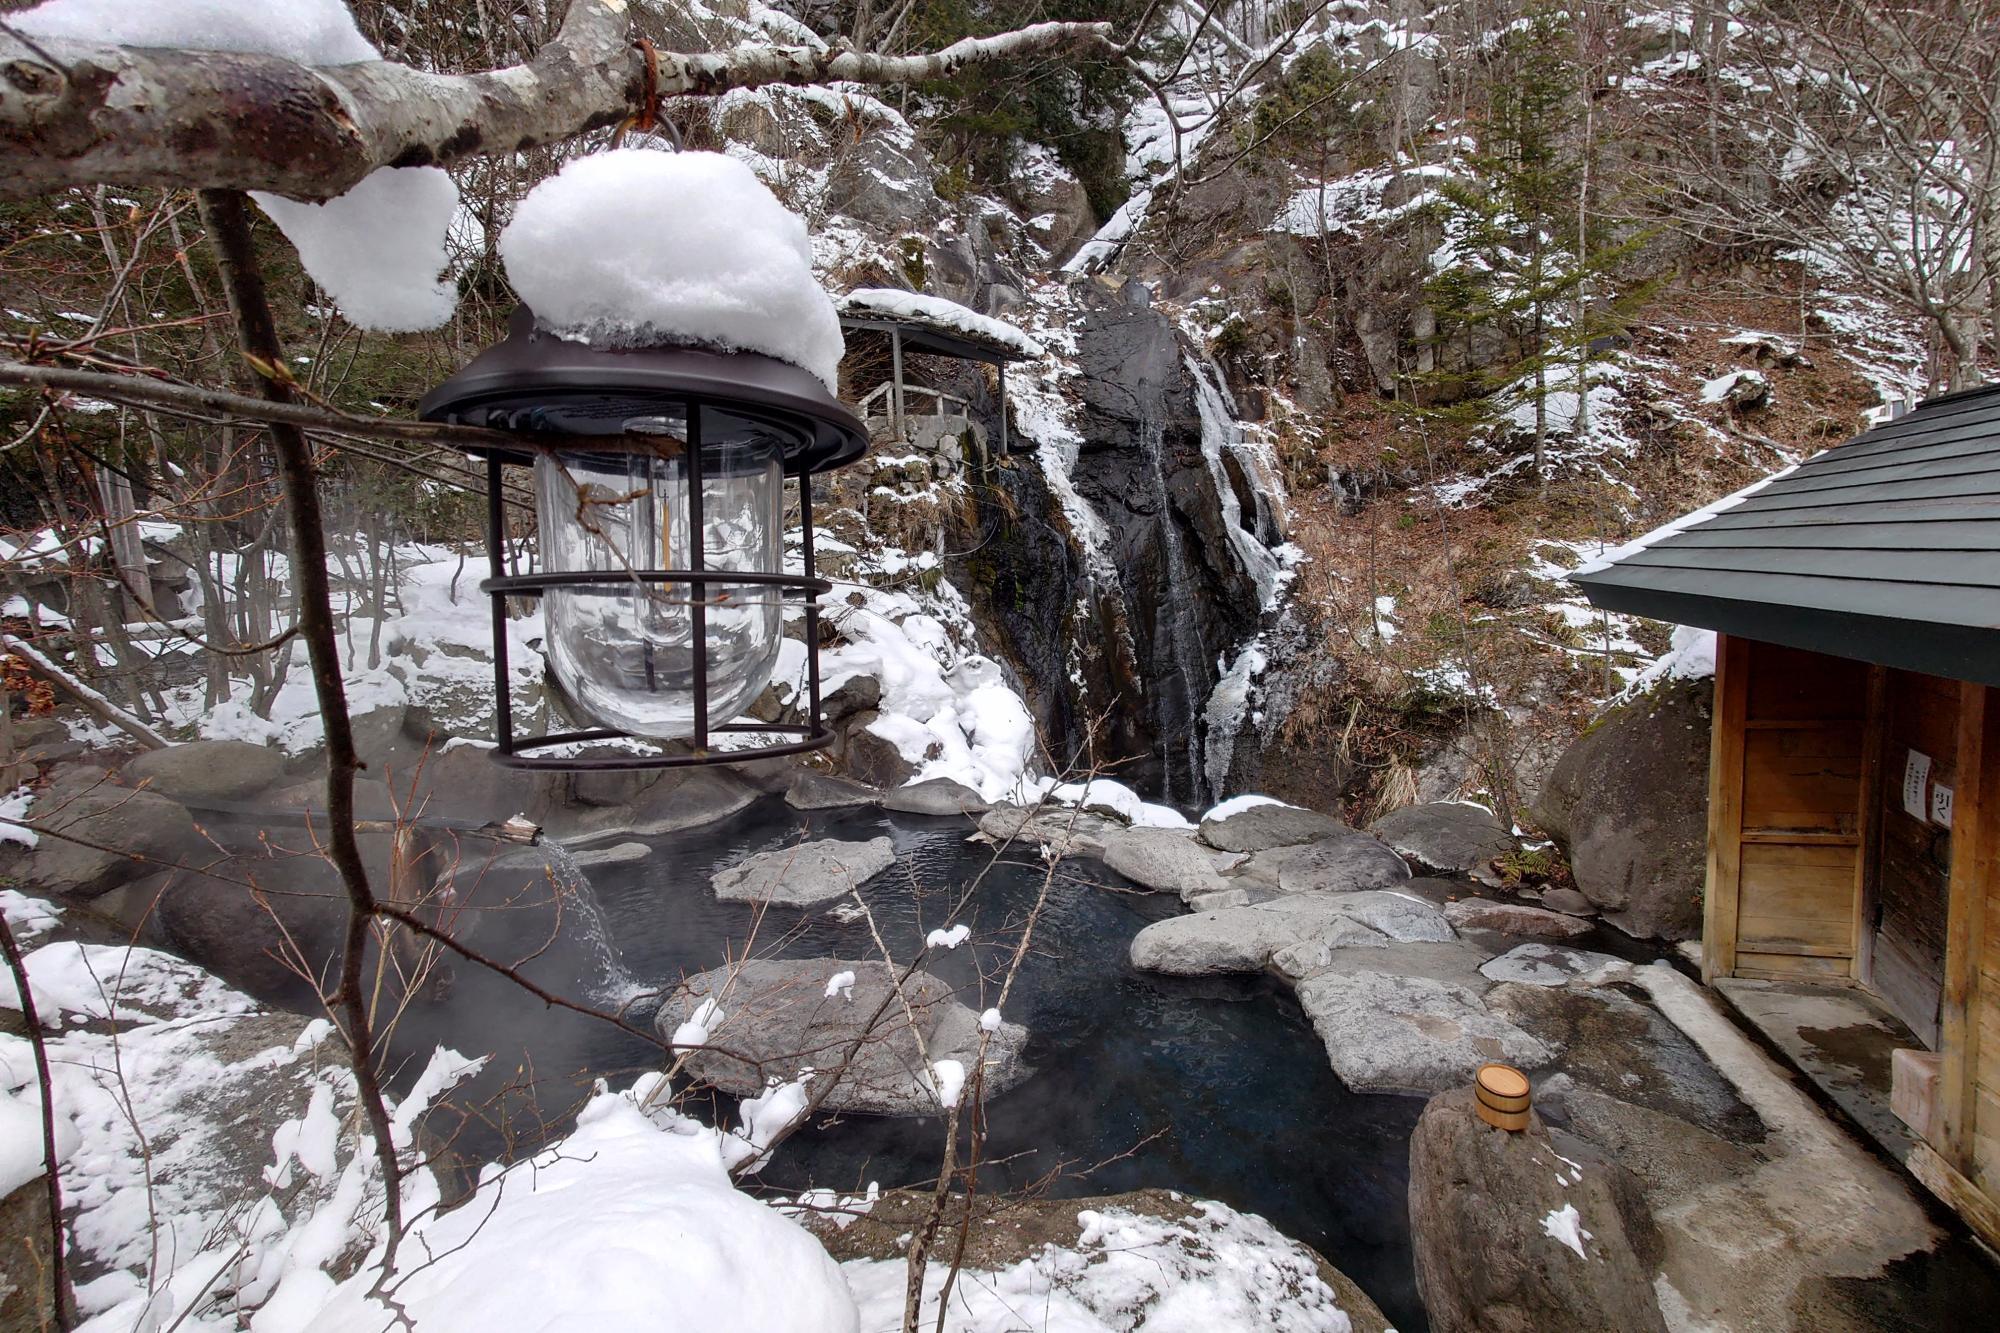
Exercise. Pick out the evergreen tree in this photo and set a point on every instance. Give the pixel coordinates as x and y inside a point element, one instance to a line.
<point>1520,261</point>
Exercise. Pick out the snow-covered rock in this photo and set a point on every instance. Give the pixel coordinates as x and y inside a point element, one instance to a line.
<point>1255,827</point>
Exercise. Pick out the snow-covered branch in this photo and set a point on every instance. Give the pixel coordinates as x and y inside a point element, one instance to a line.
<point>75,114</point>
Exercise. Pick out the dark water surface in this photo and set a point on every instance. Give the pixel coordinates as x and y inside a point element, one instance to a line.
<point>1217,1088</point>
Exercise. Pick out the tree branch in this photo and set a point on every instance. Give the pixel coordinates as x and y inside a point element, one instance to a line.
<point>227,216</point>
<point>73,114</point>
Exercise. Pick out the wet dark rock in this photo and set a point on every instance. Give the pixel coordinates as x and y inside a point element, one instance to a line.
<point>1265,826</point>
<point>133,833</point>
<point>870,758</point>
<point>1627,1050</point>
<point>1629,803</point>
<point>778,1019</point>
<point>1450,836</point>
<point>1185,601</point>
<point>805,874</point>
<point>857,694</point>
<point>1483,1206</point>
<point>1513,919</point>
<point>1345,862</point>
<point>1568,901</point>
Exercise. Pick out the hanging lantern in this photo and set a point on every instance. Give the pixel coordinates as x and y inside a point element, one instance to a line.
<point>662,536</point>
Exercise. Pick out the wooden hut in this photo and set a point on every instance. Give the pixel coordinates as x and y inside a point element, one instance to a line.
<point>1854,771</point>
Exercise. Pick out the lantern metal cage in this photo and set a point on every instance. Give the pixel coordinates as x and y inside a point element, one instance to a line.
<point>577,402</point>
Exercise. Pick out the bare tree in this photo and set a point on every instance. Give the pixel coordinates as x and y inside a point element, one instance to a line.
<point>1868,139</point>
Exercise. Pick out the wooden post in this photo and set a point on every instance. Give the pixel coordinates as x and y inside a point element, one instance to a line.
<point>1002,368</point>
<point>1868,851</point>
<point>896,384</point>
<point>1725,808</point>
<point>1975,861</point>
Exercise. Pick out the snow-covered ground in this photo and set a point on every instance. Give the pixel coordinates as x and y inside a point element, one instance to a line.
<point>182,1222</point>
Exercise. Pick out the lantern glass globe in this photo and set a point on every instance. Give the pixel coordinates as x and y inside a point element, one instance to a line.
<point>625,651</point>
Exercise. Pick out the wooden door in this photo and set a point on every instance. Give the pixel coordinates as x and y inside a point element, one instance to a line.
<point>1785,816</point>
<point>1913,866</point>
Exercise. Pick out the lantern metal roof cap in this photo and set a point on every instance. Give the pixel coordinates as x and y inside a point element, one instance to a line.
<point>532,367</point>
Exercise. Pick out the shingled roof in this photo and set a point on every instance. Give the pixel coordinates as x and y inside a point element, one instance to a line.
<point>1884,549</point>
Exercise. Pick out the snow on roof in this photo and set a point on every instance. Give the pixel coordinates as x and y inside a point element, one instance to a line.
<point>636,247</point>
<point>937,313</point>
<point>1681,524</point>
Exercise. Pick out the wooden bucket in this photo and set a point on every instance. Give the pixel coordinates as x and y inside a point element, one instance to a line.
<point>1501,1095</point>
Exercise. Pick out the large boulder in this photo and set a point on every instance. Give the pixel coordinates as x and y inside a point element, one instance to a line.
<point>1391,1032</point>
<point>1345,862</point>
<point>674,802</point>
<point>203,771</point>
<point>96,835</point>
<point>869,757</point>
<point>806,874</point>
<point>1450,836</point>
<point>1629,803</point>
<point>1264,826</point>
<point>1164,860</point>
<point>1516,1232</point>
<point>269,925</point>
<point>1244,939</point>
<point>1066,832</point>
<point>778,1018</point>
<point>814,790</point>
<point>936,796</point>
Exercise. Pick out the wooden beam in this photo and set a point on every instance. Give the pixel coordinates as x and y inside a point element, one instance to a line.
<point>1975,860</point>
<point>1725,808</point>
<point>1868,860</point>
<point>1963,1197</point>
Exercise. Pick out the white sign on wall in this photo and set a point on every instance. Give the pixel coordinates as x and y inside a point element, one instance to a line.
<point>1941,804</point>
<point>1916,777</point>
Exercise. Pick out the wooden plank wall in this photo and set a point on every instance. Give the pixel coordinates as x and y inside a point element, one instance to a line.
<point>1913,871</point>
<point>1969,1081</point>
<point>1797,814</point>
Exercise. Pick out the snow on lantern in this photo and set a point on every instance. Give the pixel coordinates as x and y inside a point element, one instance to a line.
<point>676,360</point>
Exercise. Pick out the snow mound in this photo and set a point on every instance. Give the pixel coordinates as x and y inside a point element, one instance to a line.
<point>1215,1268</point>
<point>938,313</point>
<point>636,247</point>
<point>311,32</point>
<point>624,1225</point>
<point>1236,805</point>
<point>379,248</point>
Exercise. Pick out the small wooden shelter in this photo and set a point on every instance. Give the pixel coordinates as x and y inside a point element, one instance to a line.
<point>1854,773</point>
<point>932,326</point>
